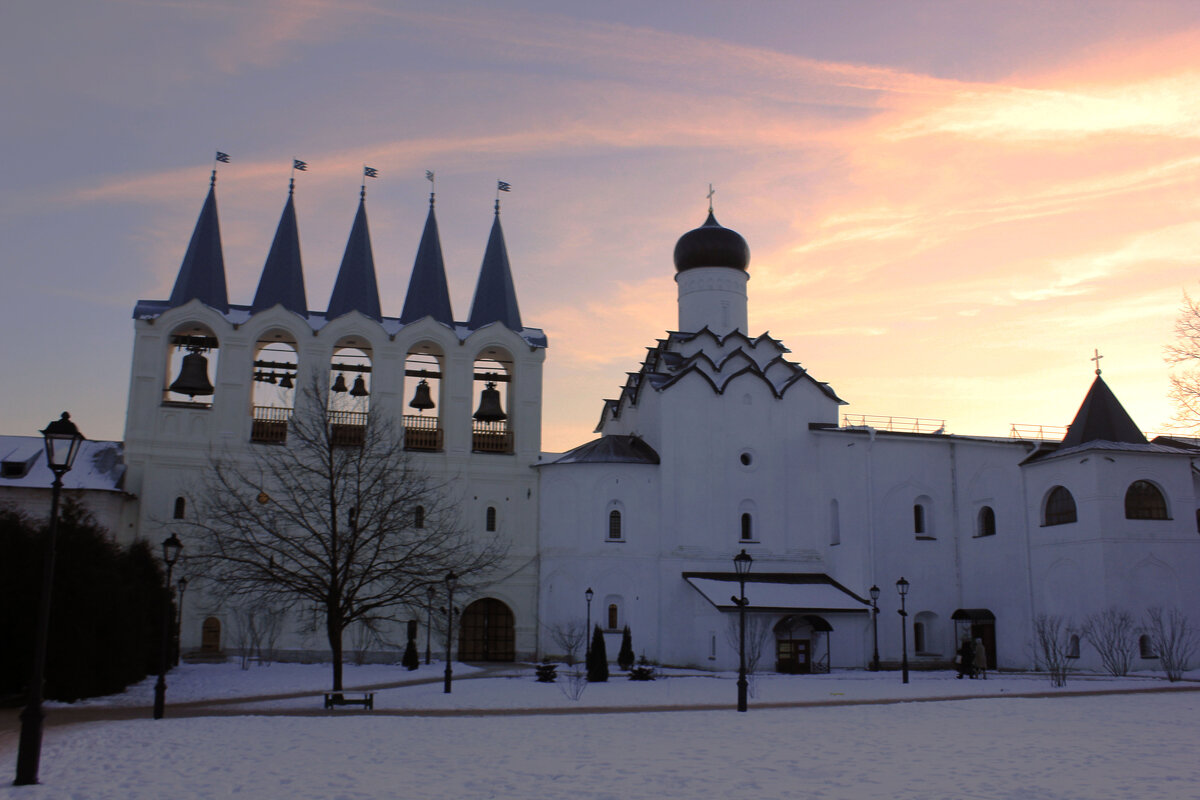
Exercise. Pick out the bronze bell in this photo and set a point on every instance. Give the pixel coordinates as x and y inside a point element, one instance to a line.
<point>286,381</point>
<point>489,405</point>
<point>193,376</point>
<point>360,388</point>
<point>422,399</point>
<point>339,383</point>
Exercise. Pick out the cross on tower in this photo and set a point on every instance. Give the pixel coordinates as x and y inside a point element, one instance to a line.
<point>711,192</point>
<point>1096,358</point>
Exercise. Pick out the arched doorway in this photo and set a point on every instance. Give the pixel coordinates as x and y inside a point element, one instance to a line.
<point>487,632</point>
<point>976,623</point>
<point>210,636</point>
<point>802,644</point>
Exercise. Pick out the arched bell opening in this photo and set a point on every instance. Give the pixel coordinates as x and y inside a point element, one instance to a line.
<point>492,384</point>
<point>273,382</point>
<point>191,364</point>
<point>349,391</point>
<point>423,370</point>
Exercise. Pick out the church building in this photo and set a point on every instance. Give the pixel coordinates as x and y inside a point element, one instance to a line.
<point>717,444</point>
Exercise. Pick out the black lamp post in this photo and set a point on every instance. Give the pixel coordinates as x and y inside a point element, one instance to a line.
<point>182,585</point>
<point>902,588</point>
<point>429,592</point>
<point>587,635</point>
<point>741,563</point>
<point>875,627</point>
<point>451,582</point>
<point>62,441</point>
<point>171,548</point>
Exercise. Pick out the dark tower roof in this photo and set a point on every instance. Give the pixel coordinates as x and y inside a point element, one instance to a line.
<point>356,288</point>
<point>282,280</point>
<point>1102,418</point>
<point>428,295</point>
<point>202,273</point>
<point>495,298</point>
<point>711,245</point>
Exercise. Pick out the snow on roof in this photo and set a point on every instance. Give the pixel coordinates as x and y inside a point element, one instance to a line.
<point>100,465</point>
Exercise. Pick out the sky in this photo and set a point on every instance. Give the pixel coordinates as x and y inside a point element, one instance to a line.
<point>949,205</point>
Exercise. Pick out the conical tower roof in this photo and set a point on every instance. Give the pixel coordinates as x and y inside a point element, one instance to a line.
<point>428,295</point>
<point>495,298</point>
<point>1102,418</point>
<point>202,273</point>
<point>282,280</point>
<point>356,288</point>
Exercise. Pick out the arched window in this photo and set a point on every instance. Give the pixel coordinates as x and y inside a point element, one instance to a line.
<point>747,528</point>
<point>613,616</point>
<point>180,507</point>
<point>925,633</point>
<point>835,523</point>
<point>614,524</point>
<point>986,523</point>
<point>419,517</point>
<point>922,523</point>
<point>919,636</point>
<point>1143,500</point>
<point>491,518</point>
<point>1060,507</point>
<point>1073,646</point>
<point>1146,647</point>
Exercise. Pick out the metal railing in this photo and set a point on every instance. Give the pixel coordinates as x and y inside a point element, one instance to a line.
<point>347,428</point>
<point>422,433</point>
<point>491,437</point>
<point>1049,433</point>
<point>270,424</point>
<point>894,424</point>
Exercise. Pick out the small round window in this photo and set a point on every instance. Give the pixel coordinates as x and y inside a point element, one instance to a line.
<point>746,459</point>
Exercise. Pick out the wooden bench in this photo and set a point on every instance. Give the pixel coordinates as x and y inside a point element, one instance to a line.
<point>365,699</point>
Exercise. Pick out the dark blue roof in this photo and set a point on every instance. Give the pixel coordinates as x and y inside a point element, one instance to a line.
<point>202,274</point>
<point>1102,418</point>
<point>611,450</point>
<point>282,281</point>
<point>495,298</point>
<point>355,288</point>
<point>428,295</point>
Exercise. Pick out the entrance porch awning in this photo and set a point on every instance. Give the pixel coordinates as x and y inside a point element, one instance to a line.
<point>783,592</point>
<point>973,615</point>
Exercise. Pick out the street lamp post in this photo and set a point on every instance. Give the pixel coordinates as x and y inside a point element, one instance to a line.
<point>451,582</point>
<point>62,440</point>
<point>875,627</point>
<point>171,547</point>
<point>741,563</point>
<point>183,583</point>
<point>587,632</point>
<point>902,588</point>
<point>429,592</point>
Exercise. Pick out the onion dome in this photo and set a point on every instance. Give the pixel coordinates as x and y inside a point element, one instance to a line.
<point>711,245</point>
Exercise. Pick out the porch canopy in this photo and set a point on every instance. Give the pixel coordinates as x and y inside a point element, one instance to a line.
<point>973,615</point>
<point>808,592</point>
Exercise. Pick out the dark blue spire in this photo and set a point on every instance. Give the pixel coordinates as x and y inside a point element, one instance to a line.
<point>202,274</point>
<point>356,288</point>
<point>282,281</point>
<point>495,298</point>
<point>1102,418</point>
<point>427,293</point>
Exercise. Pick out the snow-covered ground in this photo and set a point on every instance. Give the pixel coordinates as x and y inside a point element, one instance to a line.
<point>1109,745</point>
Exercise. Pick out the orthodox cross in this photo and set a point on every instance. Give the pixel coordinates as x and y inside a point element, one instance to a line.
<point>711,192</point>
<point>1096,358</point>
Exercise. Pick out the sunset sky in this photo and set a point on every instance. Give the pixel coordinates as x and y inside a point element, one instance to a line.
<point>949,205</point>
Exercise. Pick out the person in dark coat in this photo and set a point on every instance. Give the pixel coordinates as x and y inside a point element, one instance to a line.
<point>966,659</point>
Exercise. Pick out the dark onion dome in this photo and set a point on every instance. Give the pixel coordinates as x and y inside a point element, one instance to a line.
<point>711,245</point>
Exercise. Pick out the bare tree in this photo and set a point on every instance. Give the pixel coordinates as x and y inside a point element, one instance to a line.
<point>569,636</point>
<point>1173,640</point>
<point>345,525</point>
<point>1184,354</point>
<point>758,630</point>
<point>1114,635</point>
<point>1052,646</point>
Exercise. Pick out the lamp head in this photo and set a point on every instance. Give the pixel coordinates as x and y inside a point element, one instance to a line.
<point>874,592</point>
<point>589,594</point>
<point>742,562</point>
<point>451,581</point>
<point>62,440</point>
<point>171,549</point>
<point>902,587</point>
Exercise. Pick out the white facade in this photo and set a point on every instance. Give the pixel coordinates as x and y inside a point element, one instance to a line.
<point>717,443</point>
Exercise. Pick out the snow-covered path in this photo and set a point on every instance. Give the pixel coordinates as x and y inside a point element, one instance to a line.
<point>1108,746</point>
